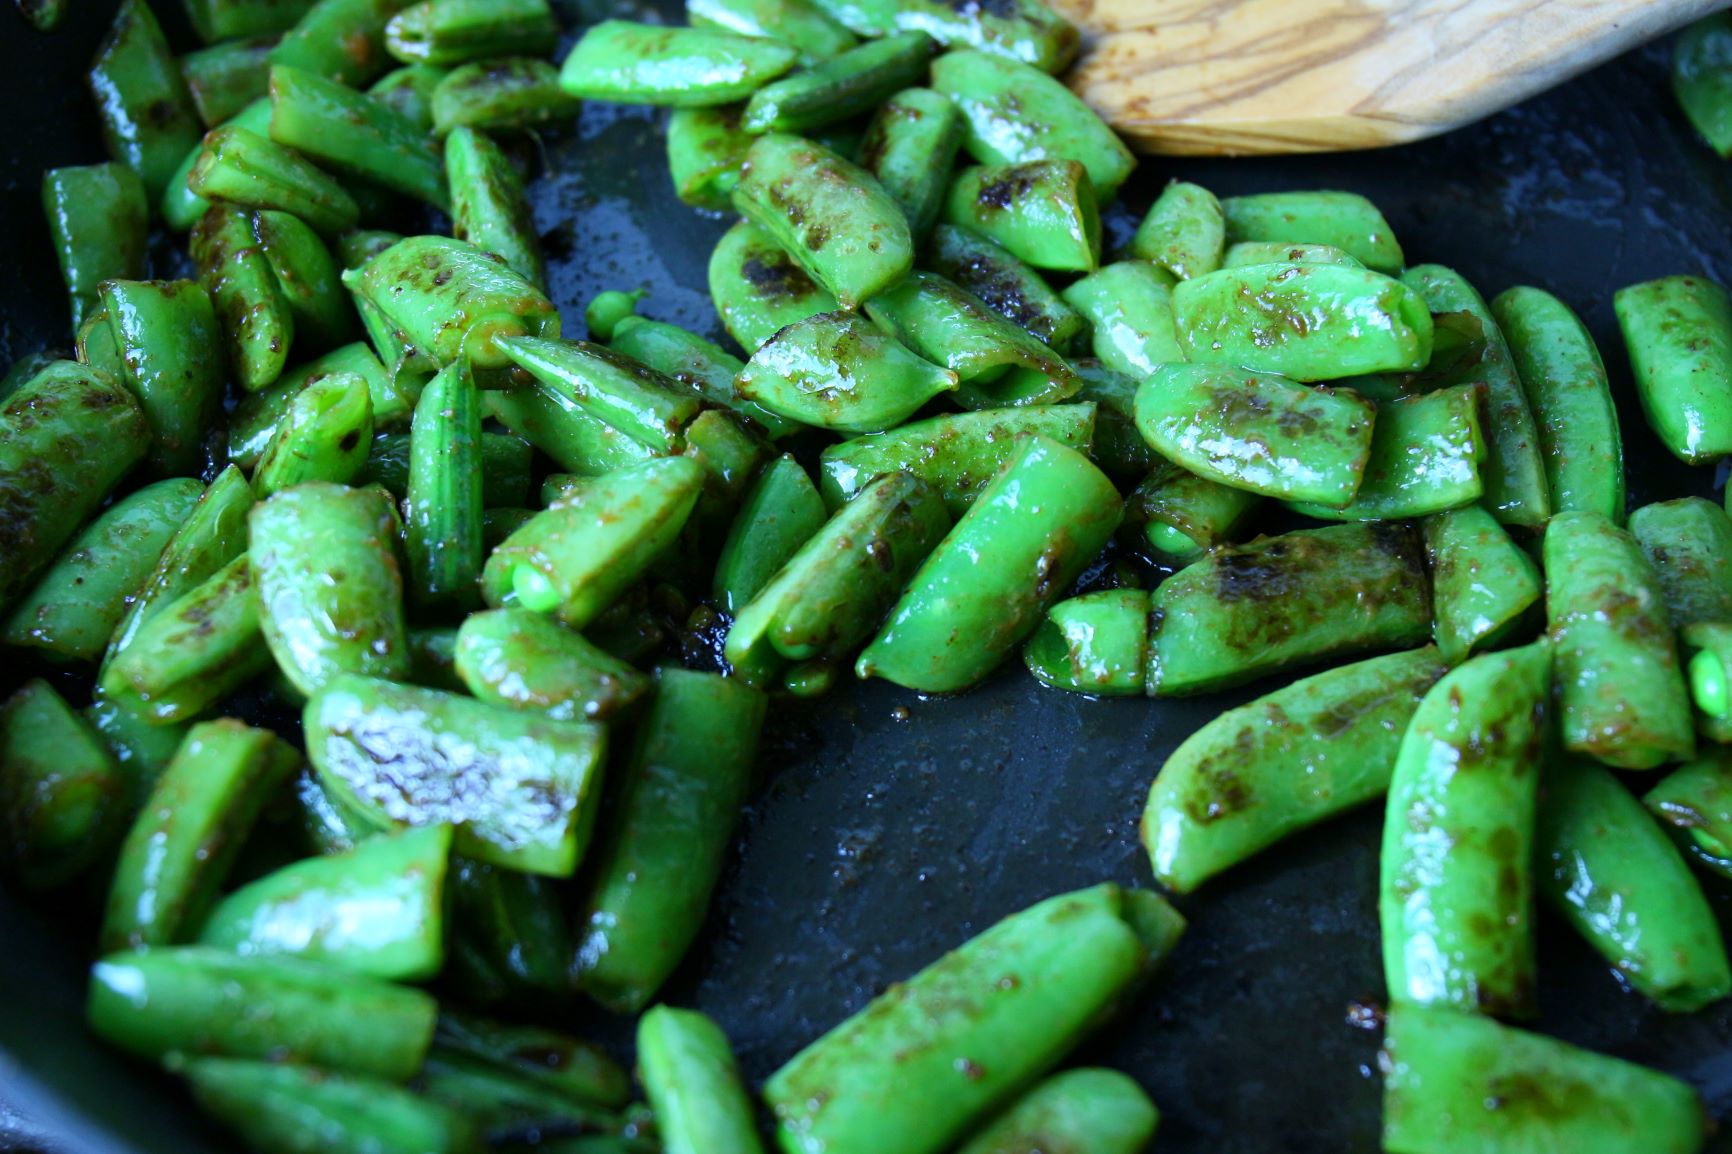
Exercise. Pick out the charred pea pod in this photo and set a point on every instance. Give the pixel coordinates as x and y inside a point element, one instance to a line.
<point>694,1085</point>
<point>1248,252</point>
<point>1426,457</point>
<point>66,437</point>
<point>758,289</point>
<point>1456,899</point>
<point>906,1075</point>
<point>1185,232</point>
<point>839,371</point>
<point>1345,589</point>
<point>1689,543</point>
<point>832,217</point>
<point>324,558</point>
<point>190,830</point>
<point>1027,536</point>
<point>576,558</point>
<point>255,419</point>
<point>410,91</point>
<point>1460,1081</point>
<point>690,771</point>
<point>1097,644</point>
<point>1621,694</point>
<point>834,589</point>
<point>97,216</point>
<point>148,119</point>
<point>450,32</point>
<point>488,205</point>
<point>166,335</point>
<point>609,386</point>
<point>1101,1111</point>
<point>279,1109</point>
<point>245,169</point>
<point>1025,30</point>
<point>442,508</point>
<point>1004,284</point>
<point>516,802</point>
<point>848,84</point>
<point>355,134</point>
<point>324,435</point>
<point>1130,307</point>
<point>910,147</point>
<point>309,279</point>
<point>514,93</point>
<point>1179,515</point>
<point>1258,431</point>
<point>1699,79</point>
<point>1344,220</point>
<point>522,659</point>
<point>553,1059</point>
<point>691,360</point>
<point>576,441</point>
<point>1679,333</point>
<point>179,205</point>
<point>340,40</point>
<point>1042,211</point>
<point>62,797</point>
<point>780,513</point>
<point>631,63</point>
<point>1482,583</point>
<point>257,321</point>
<point>706,148</point>
<point>795,22</point>
<point>505,467</point>
<point>958,453</point>
<point>1565,383</point>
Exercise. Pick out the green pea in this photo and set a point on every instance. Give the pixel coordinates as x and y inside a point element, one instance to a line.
<point>1025,30</point>
<point>633,63</point>
<point>1706,650</point>
<point>1426,457</point>
<point>1179,515</point>
<point>758,289</point>
<point>609,386</point>
<point>1248,252</point>
<point>850,83</point>
<point>166,334</point>
<point>795,22</point>
<point>283,1109</point>
<point>1004,284</point>
<point>1101,1111</point>
<point>1700,58</point>
<point>1343,220</point>
<point>1184,231</point>
<point>839,371</point>
<point>354,134</point>
<point>97,217</point>
<point>257,321</point>
<point>524,660</point>
<point>696,363</point>
<point>62,797</point>
<point>779,513</point>
<point>910,146</point>
<point>148,118</point>
<point>1483,583</point>
<point>694,1085</point>
<point>449,32</point>
<point>1097,643</point>
<point>1042,211</point>
<point>1679,333</point>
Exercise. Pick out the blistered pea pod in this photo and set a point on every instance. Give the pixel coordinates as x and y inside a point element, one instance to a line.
<point>523,660</point>
<point>488,206</point>
<point>1482,582</point>
<point>148,119</point>
<point>62,797</point>
<point>181,207</point>
<point>1025,30</point>
<point>908,1074</point>
<point>1096,644</point>
<point>553,1059</point>
<point>1180,515</point>
<point>258,324</point>
<point>778,514</point>
<point>1130,308</point>
<point>1004,284</point>
<point>243,168</point>
<point>758,289</point>
<point>1343,220</point>
<point>451,32</point>
<point>797,22</point>
<point>1183,232</point>
<point>693,361</point>
<point>514,93</point>
<point>694,1085</point>
<point>409,90</point>
<point>325,434</point>
<point>1248,252</point>
<point>1118,447</point>
<point>1456,877</point>
<point>835,587</point>
<point>1699,81</point>
<point>268,1104</point>
<point>309,279</point>
<point>632,63</point>
<point>1041,211</point>
<point>339,40</point>
<point>1679,334</point>
<point>166,335</point>
<point>445,493</point>
<point>706,148</point>
<point>845,85</point>
<point>576,441</point>
<point>1427,453</point>
<point>94,347</point>
<point>910,146</point>
<point>1688,542</point>
<point>97,218</point>
<point>354,134</point>
<point>255,419</point>
<point>1101,1111</point>
<point>610,387</point>
<point>840,371</point>
<point>1343,590</point>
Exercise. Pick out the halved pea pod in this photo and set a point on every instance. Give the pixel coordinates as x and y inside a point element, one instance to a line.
<point>778,514</point>
<point>252,171</point>
<point>257,321</point>
<point>514,93</point>
<point>576,441</point>
<point>339,40</point>
<point>450,32</point>
<point>409,90</point>
<point>355,134</point>
<point>63,799</point>
<point>695,362</point>
<point>97,217</point>
<point>1344,220</point>
<point>1482,582</point>
<point>706,148</point>
<point>1679,333</point>
<point>557,1060</point>
<point>488,206</point>
<point>254,420</point>
<point>1180,515</point>
<point>845,85</point>
<point>694,1085</point>
<point>1426,456</point>
<point>1185,232</point>
<point>444,499</point>
<point>1130,307</point>
<point>796,22</point>
<point>1688,541</point>
<point>1273,252</point>
<point>634,63</point>
<point>179,206</point>
<point>758,289</point>
<point>1097,643</point>
<point>148,118</point>
<point>524,660</point>
<point>1101,1111</point>
<point>323,435</point>
<point>309,279</point>
<point>910,146</point>
<point>1041,211</point>
<point>609,386</point>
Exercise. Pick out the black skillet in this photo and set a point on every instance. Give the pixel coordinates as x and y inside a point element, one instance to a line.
<point>880,842</point>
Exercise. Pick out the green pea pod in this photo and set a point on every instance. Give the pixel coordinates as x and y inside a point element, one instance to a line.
<point>97,217</point>
<point>283,1109</point>
<point>690,771</point>
<point>1101,1111</point>
<point>1695,802</point>
<point>1456,904</point>
<point>1689,544</point>
<point>505,467</point>
<point>730,454</point>
<point>1258,431</point>
<point>933,1057</point>
<point>502,1104</point>
<point>1460,1081</point>
<point>1004,284</point>
<point>256,418</point>
<point>141,750</point>
<point>758,289</point>
<point>407,367</point>
<point>1426,454</point>
<point>909,148</point>
<point>517,925</point>
<point>1248,252</point>
<point>62,797</point>
<point>226,77</point>
<point>309,279</point>
<point>542,1055</point>
<point>445,491</point>
<point>249,170</point>
<point>1343,220</point>
<point>779,513</point>
<point>358,246</point>
<point>795,22</point>
<point>257,321</point>
<point>631,63</point>
<point>1679,333</point>
<point>1130,306</point>
<point>179,205</point>
<point>1483,583</point>
<point>488,206</point>
<point>1179,515</point>
<point>848,84</point>
<point>609,386</point>
<point>957,453</point>
<point>148,118</point>
<point>190,831</point>
<point>95,348</point>
<point>67,437</point>
<point>225,19</point>
<point>1027,536</point>
<point>706,147</point>
<point>410,90</point>
<point>830,216</point>
<point>354,134</point>
<point>340,40</point>
<point>1097,644</point>
<point>166,334</point>
<point>196,1000</point>
<point>523,660</point>
<point>1041,211</point>
<point>1342,590</point>
<point>834,590</point>
<point>839,371</point>
<point>450,32</point>
<point>1025,30</point>
<point>576,441</point>
<point>1700,56</point>
<point>324,558</point>
<point>694,1085</point>
<point>1184,232</point>
<point>692,361</point>
<point>324,435</point>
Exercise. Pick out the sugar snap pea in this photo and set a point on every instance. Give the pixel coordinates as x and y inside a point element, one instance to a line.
<point>309,278</point>
<point>694,1085</point>
<point>340,40</point>
<point>1482,582</point>
<point>778,514</point>
<point>354,133</point>
<point>706,147</point>
<point>1688,542</point>
<point>1097,643</point>
<point>1184,231</point>
<point>515,923</point>
<point>1679,333</point>
<point>845,85</point>
<point>1247,252</point>
<point>557,1060</point>
<point>1695,801</point>
<point>576,441</point>
<point>141,750</point>
<point>451,32</point>
<point>444,497</point>
<point>1426,456</point>
<point>181,207</point>
<point>500,1103</point>
<point>97,217</point>
<point>695,362</point>
<point>257,321</point>
<point>910,146</point>
<point>632,63</point>
<point>1180,515</point>
<point>166,334</point>
<point>1343,220</point>
<point>609,386</point>
<point>254,420</point>
<point>524,660</point>
<point>410,90</point>
<point>215,20</point>
<point>62,797</point>
<point>148,118</point>
<point>1025,30</point>
<point>488,205</point>
<point>1101,1111</point>
<point>1700,56</point>
<point>1004,284</point>
<point>323,435</point>
<point>796,22</point>
<point>246,169</point>
<point>1042,211</point>
<point>758,289</point>
<point>1130,306</point>
<point>840,371</point>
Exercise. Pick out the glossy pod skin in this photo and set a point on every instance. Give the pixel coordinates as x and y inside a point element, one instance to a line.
<point>611,387</point>
<point>340,40</point>
<point>62,796</point>
<point>1456,879</point>
<point>577,442</point>
<point>1179,514</point>
<point>1027,536</point>
<point>488,206</point>
<point>1004,284</point>
<point>409,90</point>
<point>254,420</point>
<point>1025,30</point>
<point>354,134</point>
<point>1699,80</point>
<point>779,513</point>
<point>758,289</point>
<point>1621,694</point>
<point>385,752</point>
<point>1041,211</point>
<point>1706,650</point>
<point>1688,542</point>
<point>1345,589</point>
<point>179,206</point>
<point>840,371</point>
<point>148,119</point>
<point>1695,801</point>
<point>524,660</point>
<point>323,435</point>
<point>850,83</point>
<point>1097,1110</point>
<point>258,324</point>
<point>249,170</point>
<point>691,769</point>
<point>505,467</point>
<point>1130,307</point>
<point>556,1060</point>
<point>1426,456</point>
<point>1247,252</point>
<point>141,750</point>
<point>1679,333</point>
<point>1344,220</point>
<point>630,63</point>
<point>97,218</point>
<point>1185,231</point>
<point>309,278</point>
<point>1482,582</point>
<point>933,1057</point>
<point>694,1085</point>
<point>166,333</point>
<point>451,32</point>
<point>443,506</point>
<point>910,147</point>
<point>706,147</point>
<point>1097,644</point>
<point>694,362</point>
<point>513,93</point>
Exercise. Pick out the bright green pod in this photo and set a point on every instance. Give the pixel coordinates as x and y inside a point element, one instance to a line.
<point>215,20</point>
<point>848,84</point>
<point>1343,220</point>
<point>506,462</point>
<point>1688,541</point>
<point>179,205</point>
<point>524,660</point>
<point>1342,590</point>
<point>1458,1082</point>
<point>255,419</point>
<point>324,557</point>
<point>730,454</point>
<point>1184,232</point>
<point>1310,322</point>
<point>909,148</point>
<point>339,40</point>
<point>489,208</point>
<point>190,831</point>
<point>1118,446</point>
<point>97,218</point>
<point>1426,456</point>
<point>148,118</point>
<point>609,386</point>
<point>835,588</point>
<point>1100,1111</point>
<point>576,558</point>
<point>407,367</point>
<point>1621,693</point>
<point>514,93</point>
<point>1130,306</point>
<point>694,1086</point>
<point>515,796</point>
<point>1096,644</point>
<point>1482,582</point>
<point>358,246</point>
<point>839,371</point>
<point>445,493</point>
<point>62,797</point>
<point>94,347</point>
<point>1283,763</point>
<point>778,514</point>
<point>931,1058</point>
<point>1043,212</point>
<point>410,90</point>
<point>758,289</point>
<point>556,1060</point>
<point>324,435</point>
<point>377,909</point>
<point>354,134</point>
<point>1027,536</point>
<point>141,750</point>
<point>67,437</point>
<point>957,453</point>
<point>451,32</point>
<point>1180,515</point>
<point>1004,284</point>
<point>285,1109</point>
<point>706,147</point>
<point>795,22</point>
<point>196,1000</point>
<point>694,362</point>
<point>691,769</point>
<point>831,216</point>
<point>1679,333</point>
<point>1258,431</point>
<point>309,278</point>
<point>1706,650</point>
<point>166,333</point>
<point>1025,30</point>
<point>1248,252</point>
<point>577,442</point>
<point>1456,899</point>
<point>1695,803</point>
<point>631,63</point>
<point>1612,873</point>
<point>258,323</point>
<point>1702,79</point>
<point>245,169</point>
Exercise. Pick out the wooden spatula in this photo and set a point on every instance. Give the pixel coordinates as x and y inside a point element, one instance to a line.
<point>1201,77</point>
